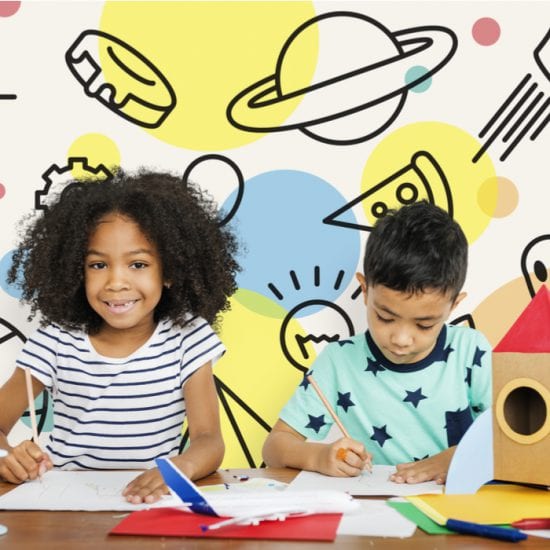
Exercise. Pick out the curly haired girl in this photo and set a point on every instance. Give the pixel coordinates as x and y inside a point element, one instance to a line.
<point>128,277</point>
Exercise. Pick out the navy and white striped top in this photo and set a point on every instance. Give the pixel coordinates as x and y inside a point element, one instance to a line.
<point>117,413</point>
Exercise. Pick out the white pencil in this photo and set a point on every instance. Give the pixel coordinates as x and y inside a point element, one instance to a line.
<point>32,411</point>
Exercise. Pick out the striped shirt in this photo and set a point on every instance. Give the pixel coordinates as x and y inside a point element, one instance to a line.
<point>117,413</point>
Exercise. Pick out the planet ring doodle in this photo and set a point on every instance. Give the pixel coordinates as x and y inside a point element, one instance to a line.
<point>253,109</point>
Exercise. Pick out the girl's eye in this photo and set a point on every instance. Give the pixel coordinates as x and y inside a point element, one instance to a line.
<point>96,265</point>
<point>139,265</point>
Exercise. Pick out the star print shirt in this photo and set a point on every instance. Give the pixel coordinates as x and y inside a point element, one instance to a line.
<point>111,413</point>
<point>401,413</point>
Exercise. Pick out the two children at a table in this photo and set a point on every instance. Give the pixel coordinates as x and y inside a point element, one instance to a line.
<point>129,276</point>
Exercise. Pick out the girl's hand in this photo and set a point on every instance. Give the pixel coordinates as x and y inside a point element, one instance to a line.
<point>434,468</point>
<point>24,462</point>
<point>344,458</point>
<point>147,488</point>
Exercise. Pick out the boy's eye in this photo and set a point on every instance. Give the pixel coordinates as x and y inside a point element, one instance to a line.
<point>423,327</point>
<point>383,319</point>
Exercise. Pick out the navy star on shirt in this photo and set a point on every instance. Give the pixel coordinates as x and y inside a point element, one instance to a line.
<point>374,366</point>
<point>468,378</point>
<point>414,397</point>
<point>316,422</point>
<point>415,459</point>
<point>305,382</point>
<point>342,343</point>
<point>380,435</point>
<point>479,353</point>
<point>344,401</point>
<point>446,352</point>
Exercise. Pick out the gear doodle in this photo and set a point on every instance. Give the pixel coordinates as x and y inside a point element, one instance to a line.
<point>55,183</point>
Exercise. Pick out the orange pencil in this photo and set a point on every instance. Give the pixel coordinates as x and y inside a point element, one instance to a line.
<point>341,454</point>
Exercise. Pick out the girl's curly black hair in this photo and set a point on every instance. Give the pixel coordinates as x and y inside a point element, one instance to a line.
<point>198,255</point>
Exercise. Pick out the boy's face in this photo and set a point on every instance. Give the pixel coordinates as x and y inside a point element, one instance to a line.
<point>405,326</point>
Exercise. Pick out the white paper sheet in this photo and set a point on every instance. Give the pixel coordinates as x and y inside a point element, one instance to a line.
<point>78,490</point>
<point>376,483</point>
<point>376,519</point>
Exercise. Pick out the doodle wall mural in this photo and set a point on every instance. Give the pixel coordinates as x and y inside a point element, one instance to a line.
<point>306,121</point>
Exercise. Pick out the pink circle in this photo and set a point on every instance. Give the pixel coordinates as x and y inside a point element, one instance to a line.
<point>2,191</point>
<point>9,8</point>
<point>486,31</point>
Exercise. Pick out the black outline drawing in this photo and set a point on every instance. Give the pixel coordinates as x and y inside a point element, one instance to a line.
<point>408,43</point>
<point>105,93</point>
<point>538,266</point>
<point>332,219</point>
<point>236,169</point>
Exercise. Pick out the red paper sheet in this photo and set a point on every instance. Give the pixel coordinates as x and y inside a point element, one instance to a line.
<point>171,522</point>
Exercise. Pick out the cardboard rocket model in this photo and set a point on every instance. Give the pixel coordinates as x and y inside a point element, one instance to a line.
<point>511,440</point>
<point>521,396</point>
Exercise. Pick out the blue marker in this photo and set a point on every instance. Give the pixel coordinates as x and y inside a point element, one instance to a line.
<point>487,531</point>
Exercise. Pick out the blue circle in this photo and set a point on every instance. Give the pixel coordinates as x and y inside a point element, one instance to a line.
<point>414,73</point>
<point>288,254</point>
<point>13,290</point>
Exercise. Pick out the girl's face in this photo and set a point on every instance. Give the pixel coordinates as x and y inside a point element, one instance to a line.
<point>405,326</point>
<point>122,275</point>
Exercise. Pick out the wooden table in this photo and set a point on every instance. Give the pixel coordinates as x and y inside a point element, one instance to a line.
<point>30,530</point>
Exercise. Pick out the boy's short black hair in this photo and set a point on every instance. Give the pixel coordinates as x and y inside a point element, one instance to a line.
<point>416,248</point>
<point>197,254</point>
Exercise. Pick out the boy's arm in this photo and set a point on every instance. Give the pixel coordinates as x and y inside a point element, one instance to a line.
<point>206,449</point>
<point>434,468</point>
<point>285,447</point>
<point>26,460</point>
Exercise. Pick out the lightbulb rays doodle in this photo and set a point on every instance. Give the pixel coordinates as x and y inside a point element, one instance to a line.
<point>367,89</point>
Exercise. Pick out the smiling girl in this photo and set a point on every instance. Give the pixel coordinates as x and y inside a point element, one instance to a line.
<point>128,276</point>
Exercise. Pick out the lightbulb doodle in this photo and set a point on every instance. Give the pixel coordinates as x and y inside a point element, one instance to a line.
<point>521,112</point>
<point>422,178</point>
<point>56,179</point>
<point>351,100</point>
<point>211,172</point>
<point>535,263</point>
<point>295,347</point>
<point>121,78</point>
<point>10,336</point>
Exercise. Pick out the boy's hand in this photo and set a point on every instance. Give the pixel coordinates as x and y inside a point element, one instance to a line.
<point>344,458</point>
<point>24,462</point>
<point>146,488</point>
<point>434,468</point>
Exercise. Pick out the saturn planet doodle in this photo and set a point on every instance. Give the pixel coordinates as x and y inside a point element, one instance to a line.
<point>362,75</point>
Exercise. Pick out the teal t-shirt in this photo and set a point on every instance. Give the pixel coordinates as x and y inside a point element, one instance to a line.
<point>401,413</point>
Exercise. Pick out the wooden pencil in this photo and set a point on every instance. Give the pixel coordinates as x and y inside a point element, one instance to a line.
<point>330,410</point>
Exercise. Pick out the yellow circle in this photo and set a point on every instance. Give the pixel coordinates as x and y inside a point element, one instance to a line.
<point>433,161</point>
<point>97,149</point>
<point>258,377</point>
<point>506,390</point>
<point>209,52</point>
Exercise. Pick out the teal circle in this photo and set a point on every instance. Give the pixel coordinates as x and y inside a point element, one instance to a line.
<point>415,73</point>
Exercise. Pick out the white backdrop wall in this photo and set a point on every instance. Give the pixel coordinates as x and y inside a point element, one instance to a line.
<point>304,120</point>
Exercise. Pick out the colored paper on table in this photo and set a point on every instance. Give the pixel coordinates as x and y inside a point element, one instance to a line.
<point>493,504</point>
<point>171,522</point>
<point>412,513</point>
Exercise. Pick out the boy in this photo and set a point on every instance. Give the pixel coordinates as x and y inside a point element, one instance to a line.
<point>408,388</point>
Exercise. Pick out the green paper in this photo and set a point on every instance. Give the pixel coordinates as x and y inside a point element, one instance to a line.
<point>412,513</point>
